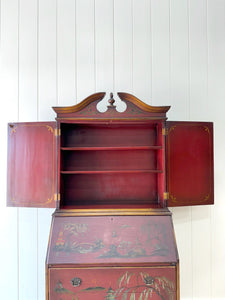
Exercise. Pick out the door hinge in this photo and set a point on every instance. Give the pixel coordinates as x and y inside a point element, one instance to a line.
<point>166,196</point>
<point>57,197</point>
<point>164,131</point>
<point>57,132</point>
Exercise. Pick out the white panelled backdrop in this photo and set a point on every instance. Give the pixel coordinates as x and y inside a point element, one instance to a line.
<point>166,52</point>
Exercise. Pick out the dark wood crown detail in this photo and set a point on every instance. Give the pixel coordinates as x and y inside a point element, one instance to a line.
<point>143,106</point>
<point>79,106</point>
<point>88,108</point>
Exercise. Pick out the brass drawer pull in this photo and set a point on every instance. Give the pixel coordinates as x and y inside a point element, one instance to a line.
<point>76,281</point>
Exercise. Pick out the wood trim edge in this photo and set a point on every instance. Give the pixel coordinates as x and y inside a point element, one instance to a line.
<point>80,105</point>
<point>142,105</point>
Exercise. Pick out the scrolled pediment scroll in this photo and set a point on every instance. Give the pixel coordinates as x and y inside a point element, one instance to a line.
<point>135,109</point>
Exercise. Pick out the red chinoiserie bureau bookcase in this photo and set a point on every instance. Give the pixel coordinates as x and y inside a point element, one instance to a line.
<point>111,177</point>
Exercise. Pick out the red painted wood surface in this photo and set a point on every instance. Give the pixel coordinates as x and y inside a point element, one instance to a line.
<point>111,164</point>
<point>109,135</point>
<point>190,163</point>
<point>32,164</point>
<point>108,189</point>
<point>110,159</point>
<point>157,283</point>
<point>106,160</point>
<point>112,240</point>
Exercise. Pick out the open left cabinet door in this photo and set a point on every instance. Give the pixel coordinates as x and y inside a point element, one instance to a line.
<point>32,164</point>
<point>190,175</point>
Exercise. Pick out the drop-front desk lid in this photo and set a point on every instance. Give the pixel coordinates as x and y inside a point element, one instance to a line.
<point>111,240</point>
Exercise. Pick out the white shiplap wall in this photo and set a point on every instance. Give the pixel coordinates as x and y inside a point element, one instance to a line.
<point>166,52</point>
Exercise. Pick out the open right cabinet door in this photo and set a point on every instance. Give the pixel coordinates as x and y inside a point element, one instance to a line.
<point>189,159</point>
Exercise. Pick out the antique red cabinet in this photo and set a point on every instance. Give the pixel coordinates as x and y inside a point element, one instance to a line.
<point>111,176</point>
<point>112,257</point>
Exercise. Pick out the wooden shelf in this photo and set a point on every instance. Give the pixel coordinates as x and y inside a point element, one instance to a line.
<point>111,164</point>
<point>111,148</point>
<point>110,171</point>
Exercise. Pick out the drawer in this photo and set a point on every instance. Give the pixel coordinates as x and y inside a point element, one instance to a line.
<point>141,283</point>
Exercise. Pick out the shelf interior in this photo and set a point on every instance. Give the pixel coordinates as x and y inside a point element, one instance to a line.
<point>108,135</point>
<point>86,189</point>
<point>110,164</point>
<point>104,160</point>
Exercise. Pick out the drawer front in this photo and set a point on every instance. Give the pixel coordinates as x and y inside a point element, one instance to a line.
<point>155,283</point>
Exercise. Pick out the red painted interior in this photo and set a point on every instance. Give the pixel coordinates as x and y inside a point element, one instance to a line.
<point>110,164</point>
<point>190,163</point>
<point>121,160</point>
<point>32,164</point>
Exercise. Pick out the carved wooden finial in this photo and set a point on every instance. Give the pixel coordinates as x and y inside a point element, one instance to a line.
<point>111,101</point>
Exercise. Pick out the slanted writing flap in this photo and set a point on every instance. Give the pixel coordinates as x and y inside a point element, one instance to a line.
<point>111,240</point>
<point>190,163</point>
<point>31,164</point>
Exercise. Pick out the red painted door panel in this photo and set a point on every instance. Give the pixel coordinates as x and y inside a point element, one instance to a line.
<point>190,163</point>
<point>31,164</point>
<point>157,283</point>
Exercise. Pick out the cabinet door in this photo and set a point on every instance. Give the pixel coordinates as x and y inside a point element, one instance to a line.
<point>31,164</point>
<point>190,163</point>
